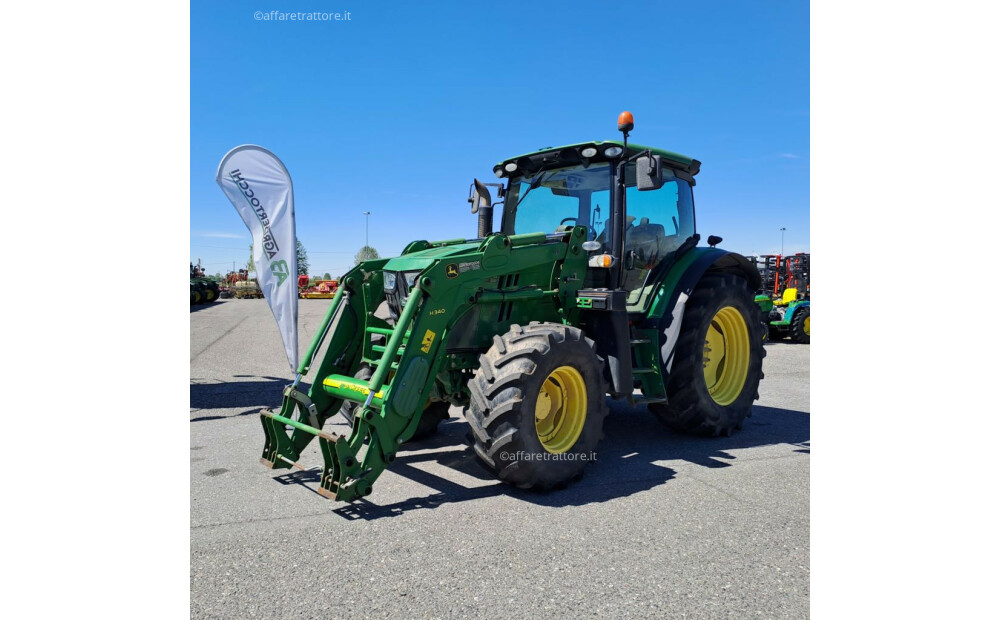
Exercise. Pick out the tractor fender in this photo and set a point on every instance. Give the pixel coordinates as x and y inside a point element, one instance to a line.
<point>793,308</point>
<point>679,283</point>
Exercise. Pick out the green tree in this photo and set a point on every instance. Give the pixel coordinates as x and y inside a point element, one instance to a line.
<point>250,267</point>
<point>301,258</point>
<point>365,253</point>
<point>326,276</point>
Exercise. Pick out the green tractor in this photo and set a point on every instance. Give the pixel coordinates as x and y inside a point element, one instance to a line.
<point>786,313</point>
<point>203,290</point>
<point>594,285</point>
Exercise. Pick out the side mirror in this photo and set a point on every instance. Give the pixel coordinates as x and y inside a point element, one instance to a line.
<point>648,173</point>
<point>480,196</point>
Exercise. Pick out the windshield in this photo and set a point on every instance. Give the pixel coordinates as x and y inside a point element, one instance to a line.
<point>581,196</point>
<point>572,196</point>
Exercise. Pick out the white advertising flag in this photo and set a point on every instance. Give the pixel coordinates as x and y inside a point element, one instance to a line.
<point>258,185</point>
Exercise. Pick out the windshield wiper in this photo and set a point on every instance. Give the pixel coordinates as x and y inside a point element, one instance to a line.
<point>535,183</point>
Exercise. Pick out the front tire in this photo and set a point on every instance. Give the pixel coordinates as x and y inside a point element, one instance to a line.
<point>435,413</point>
<point>717,361</point>
<point>537,405</point>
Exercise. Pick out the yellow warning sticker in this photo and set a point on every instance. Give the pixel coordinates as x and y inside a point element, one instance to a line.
<point>428,340</point>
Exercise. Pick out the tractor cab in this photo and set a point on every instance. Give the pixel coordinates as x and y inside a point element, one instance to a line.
<point>557,189</point>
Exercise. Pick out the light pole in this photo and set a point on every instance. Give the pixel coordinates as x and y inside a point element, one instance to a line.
<point>782,240</point>
<point>367,213</point>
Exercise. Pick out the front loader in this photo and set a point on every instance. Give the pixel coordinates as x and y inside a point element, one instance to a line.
<point>594,285</point>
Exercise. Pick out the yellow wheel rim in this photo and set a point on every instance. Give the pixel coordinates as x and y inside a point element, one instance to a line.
<point>805,325</point>
<point>561,409</point>
<point>727,355</point>
<point>209,294</point>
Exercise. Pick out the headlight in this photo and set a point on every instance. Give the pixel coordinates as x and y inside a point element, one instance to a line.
<point>613,151</point>
<point>398,285</point>
<point>588,152</point>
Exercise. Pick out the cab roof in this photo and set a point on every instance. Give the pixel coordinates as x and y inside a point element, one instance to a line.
<point>550,157</point>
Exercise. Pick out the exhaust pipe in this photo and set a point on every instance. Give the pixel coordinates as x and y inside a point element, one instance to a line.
<point>482,203</point>
<point>485,221</point>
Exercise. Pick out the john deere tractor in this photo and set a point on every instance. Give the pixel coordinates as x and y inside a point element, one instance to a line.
<point>594,285</point>
<point>203,290</point>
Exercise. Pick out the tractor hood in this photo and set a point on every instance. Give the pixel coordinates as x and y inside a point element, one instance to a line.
<point>422,259</point>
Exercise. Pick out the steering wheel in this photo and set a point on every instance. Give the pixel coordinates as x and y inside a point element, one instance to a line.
<point>576,222</point>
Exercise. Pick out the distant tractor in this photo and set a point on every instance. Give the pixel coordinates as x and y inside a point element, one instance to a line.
<point>786,312</point>
<point>203,290</point>
<point>594,285</point>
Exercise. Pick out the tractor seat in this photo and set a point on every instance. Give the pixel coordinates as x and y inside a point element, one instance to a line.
<point>603,238</point>
<point>790,295</point>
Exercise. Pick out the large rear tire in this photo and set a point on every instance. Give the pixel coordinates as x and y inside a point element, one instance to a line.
<point>717,361</point>
<point>800,325</point>
<point>537,405</point>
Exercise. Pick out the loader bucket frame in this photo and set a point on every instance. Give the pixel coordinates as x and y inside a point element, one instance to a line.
<point>347,473</point>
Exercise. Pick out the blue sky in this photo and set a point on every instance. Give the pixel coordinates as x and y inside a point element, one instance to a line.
<point>398,109</point>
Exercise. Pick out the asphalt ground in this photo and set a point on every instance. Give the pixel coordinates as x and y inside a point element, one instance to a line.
<point>661,525</point>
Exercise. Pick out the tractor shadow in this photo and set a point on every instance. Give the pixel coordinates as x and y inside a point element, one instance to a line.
<point>628,461</point>
<point>205,306</point>
<point>253,395</point>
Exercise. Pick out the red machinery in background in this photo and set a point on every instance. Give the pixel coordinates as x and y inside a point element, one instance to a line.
<point>321,289</point>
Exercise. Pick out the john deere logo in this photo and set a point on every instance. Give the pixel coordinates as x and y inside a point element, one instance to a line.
<point>451,270</point>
